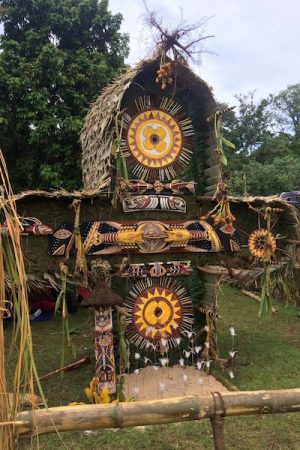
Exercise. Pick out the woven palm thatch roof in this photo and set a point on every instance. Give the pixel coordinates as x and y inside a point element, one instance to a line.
<point>290,213</point>
<point>98,135</point>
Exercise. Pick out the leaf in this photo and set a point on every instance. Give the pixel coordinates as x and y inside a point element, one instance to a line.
<point>227,143</point>
<point>89,394</point>
<point>48,79</point>
<point>223,159</point>
<point>58,301</point>
<point>265,297</point>
<point>104,397</point>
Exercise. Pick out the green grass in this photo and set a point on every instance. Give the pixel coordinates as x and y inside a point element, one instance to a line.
<point>268,358</point>
<point>268,349</point>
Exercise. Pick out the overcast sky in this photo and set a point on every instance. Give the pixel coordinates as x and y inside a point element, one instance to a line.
<point>256,43</point>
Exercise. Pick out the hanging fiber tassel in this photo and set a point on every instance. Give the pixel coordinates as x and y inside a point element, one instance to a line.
<point>61,304</point>
<point>80,262</point>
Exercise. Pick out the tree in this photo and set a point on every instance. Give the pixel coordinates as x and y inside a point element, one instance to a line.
<point>56,57</point>
<point>286,110</point>
<point>248,126</point>
<point>282,174</point>
<point>267,139</point>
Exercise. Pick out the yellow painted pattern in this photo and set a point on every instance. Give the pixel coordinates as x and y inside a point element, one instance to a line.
<point>154,139</point>
<point>158,313</point>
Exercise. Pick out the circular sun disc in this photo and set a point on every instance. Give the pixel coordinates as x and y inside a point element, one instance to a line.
<point>157,313</point>
<point>262,244</point>
<point>154,139</point>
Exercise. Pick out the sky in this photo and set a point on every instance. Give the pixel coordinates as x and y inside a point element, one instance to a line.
<point>256,43</point>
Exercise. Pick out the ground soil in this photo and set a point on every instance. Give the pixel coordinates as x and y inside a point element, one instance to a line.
<point>166,382</point>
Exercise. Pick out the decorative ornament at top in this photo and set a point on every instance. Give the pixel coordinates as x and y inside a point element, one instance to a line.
<point>182,42</point>
<point>164,75</point>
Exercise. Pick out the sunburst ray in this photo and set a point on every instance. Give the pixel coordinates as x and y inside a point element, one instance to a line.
<point>158,141</point>
<point>157,310</point>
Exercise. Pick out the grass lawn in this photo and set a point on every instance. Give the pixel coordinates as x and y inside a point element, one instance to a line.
<point>268,358</point>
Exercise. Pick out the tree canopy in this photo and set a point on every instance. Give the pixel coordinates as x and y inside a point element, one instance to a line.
<point>266,134</point>
<point>56,56</point>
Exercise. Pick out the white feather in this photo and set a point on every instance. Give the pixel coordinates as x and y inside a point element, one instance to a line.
<point>164,361</point>
<point>232,331</point>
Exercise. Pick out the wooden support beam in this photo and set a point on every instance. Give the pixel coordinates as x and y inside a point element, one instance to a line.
<point>181,409</point>
<point>217,423</point>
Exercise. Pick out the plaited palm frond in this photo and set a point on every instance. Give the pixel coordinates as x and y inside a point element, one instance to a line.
<point>97,137</point>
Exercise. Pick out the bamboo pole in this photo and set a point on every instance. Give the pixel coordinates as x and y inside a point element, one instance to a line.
<point>180,409</point>
<point>6,432</point>
<point>255,297</point>
<point>74,365</point>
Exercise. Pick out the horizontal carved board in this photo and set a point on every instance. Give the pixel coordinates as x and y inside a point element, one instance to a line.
<point>154,203</point>
<point>156,269</point>
<point>145,237</point>
<point>158,187</point>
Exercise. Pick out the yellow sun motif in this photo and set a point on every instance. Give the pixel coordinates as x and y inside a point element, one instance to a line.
<point>262,244</point>
<point>154,139</point>
<point>157,313</point>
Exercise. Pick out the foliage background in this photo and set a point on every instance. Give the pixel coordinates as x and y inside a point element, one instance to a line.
<point>56,56</point>
<point>266,134</point>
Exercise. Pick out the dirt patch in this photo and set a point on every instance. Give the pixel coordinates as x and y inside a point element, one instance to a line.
<point>165,382</point>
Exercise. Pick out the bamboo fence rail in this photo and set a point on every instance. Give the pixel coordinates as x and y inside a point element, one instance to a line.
<point>181,409</point>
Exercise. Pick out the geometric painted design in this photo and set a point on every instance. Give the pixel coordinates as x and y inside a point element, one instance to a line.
<point>147,236</point>
<point>262,244</point>
<point>154,139</point>
<point>157,139</point>
<point>153,202</point>
<point>104,350</point>
<point>155,269</point>
<point>158,312</point>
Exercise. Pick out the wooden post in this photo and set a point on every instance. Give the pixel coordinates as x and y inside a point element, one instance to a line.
<point>172,410</point>
<point>210,303</point>
<point>217,423</point>
<point>104,350</point>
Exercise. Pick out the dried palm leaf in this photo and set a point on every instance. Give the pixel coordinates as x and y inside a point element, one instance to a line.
<point>12,272</point>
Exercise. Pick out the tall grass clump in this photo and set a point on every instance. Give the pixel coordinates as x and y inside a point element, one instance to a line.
<point>13,300</point>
